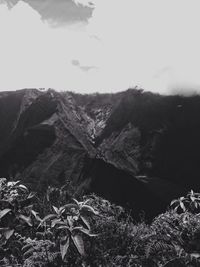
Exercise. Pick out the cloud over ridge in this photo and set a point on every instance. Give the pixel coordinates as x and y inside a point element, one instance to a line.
<point>117,43</point>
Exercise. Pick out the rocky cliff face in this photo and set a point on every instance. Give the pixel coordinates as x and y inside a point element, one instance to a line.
<point>44,139</point>
<point>97,108</point>
<point>129,147</point>
<point>161,134</point>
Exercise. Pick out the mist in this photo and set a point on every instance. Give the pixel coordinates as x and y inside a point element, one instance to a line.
<point>153,45</point>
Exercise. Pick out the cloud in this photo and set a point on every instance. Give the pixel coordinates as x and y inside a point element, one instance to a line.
<point>34,55</point>
<point>85,3</point>
<point>141,38</point>
<point>87,68</point>
<point>59,12</point>
<point>76,63</point>
<point>10,3</point>
<point>153,44</point>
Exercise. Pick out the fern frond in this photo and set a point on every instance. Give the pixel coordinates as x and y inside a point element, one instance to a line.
<point>156,247</point>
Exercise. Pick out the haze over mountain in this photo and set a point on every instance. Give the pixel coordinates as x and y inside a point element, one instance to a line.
<point>136,148</point>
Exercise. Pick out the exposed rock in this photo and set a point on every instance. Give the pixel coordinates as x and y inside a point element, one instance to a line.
<point>46,141</point>
<point>122,149</point>
<point>97,108</point>
<point>125,146</point>
<point>167,140</point>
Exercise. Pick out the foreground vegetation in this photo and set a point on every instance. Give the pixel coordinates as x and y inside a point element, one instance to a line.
<point>53,231</point>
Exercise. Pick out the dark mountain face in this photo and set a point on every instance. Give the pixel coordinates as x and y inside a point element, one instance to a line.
<point>45,140</point>
<point>137,149</point>
<point>164,131</point>
<point>124,189</point>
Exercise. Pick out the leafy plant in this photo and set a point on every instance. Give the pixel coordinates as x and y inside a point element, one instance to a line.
<point>69,223</point>
<point>189,203</point>
<point>63,236</point>
<point>40,253</point>
<point>16,216</point>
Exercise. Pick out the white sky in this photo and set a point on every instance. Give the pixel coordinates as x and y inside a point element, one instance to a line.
<point>153,44</point>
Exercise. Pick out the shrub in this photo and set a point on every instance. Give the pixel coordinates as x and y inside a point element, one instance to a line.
<point>191,202</point>
<point>93,232</point>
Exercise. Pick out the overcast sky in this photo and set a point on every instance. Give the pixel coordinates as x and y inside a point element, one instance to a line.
<point>100,45</point>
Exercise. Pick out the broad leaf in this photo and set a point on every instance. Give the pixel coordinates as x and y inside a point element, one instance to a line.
<point>4,212</point>
<point>56,209</point>
<point>64,248</point>
<point>192,192</point>
<point>8,233</point>
<point>26,247</point>
<point>48,217</point>
<point>25,219</point>
<point>61,223</point>
<point>182,206</point>
<point>31,195</point>
<point>54,222</point>
<point>195,255</point>
<point>86,201</point>
<point>29,253</point>
<point>61,210</point>
<point>23,187</point>
<point>35,214</point>
<point>70,220</point>
<point>12,183</point>
<point>76,201</point>
<point>86,222</point>
<point>173,202</point>
<point>192,198</point>
<point>79,244</point>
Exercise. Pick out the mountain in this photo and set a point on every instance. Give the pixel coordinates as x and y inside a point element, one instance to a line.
<point>43,137</point>
<point>164,131</point>
<point>135,148</point>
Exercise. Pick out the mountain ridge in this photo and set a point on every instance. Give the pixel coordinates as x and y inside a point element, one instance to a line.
<point>52,138</point>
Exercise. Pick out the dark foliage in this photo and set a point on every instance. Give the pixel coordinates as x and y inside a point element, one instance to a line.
<point>93,232</point>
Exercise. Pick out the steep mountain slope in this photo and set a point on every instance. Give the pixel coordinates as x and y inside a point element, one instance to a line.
<point>155,135</point>
<point>130,147</point>
<point>97,107</point>
<point>45,140</point>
